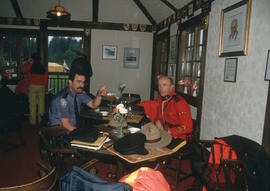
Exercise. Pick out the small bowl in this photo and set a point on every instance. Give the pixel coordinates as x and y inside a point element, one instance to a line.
<point>104,113</point>
<point>133,129</point>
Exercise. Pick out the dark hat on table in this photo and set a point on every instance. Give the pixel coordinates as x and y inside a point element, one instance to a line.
<point>155,137</point>
<point>131,144</point>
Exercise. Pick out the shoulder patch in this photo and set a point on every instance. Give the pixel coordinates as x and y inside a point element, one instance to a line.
<point>177,99</point>
<point>63,102</point>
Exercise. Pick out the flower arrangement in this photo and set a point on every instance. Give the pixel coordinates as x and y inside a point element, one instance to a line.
<point>111,97</point>
<point>121,88</point>
<point>120,113</point>
<point>186,83</point>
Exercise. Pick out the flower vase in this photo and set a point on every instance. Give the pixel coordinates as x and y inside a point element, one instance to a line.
<point>185,90</point>
<point>111,106</point>
<point>194,93</point>
<point>120,130</point>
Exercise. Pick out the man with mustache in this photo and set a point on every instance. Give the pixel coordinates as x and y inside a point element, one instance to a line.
<point>65,106</point>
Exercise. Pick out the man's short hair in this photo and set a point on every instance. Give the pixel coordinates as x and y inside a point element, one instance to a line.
<point>171,80</point>
<point>77,71</point>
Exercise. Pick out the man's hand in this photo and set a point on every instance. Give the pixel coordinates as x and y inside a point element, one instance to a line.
<point>103,90</point>
<point>159,124</point>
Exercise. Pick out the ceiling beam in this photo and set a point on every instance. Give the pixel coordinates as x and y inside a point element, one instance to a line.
<point>16,8</point>
<point>145,12</point>
<point>169,5</point>
<point>95,10</point>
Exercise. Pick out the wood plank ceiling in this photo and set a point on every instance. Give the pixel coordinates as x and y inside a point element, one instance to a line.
<point>148,12</point>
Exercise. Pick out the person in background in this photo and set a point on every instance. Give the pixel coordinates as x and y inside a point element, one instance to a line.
<point>65,107</point>
<point>27,65</point>
<point>38,80</point>
<point>23,85</point>
<point>173,112</point>
<point>82,63</point>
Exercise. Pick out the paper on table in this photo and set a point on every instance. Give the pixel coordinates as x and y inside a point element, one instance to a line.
<point>91,147</point>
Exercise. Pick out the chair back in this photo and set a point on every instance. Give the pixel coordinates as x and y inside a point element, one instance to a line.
<point>217,167</point>
<point>45,183</point>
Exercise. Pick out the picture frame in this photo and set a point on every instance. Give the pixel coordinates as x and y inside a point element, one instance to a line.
<point>267,70</point>
<point>234,29</point>
<point>131,58</point>
<point>109,52</point>
<point>190,9</point>
<point>230,69</point>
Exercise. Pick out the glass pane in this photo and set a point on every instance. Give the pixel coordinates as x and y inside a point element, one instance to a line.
<point>189,39</point>
<point>62,49</point>
<point>198,69</point>
<point>10,58</point>
<point>201,36</point>
<point>192,39</point>
<point>188,54</point>
<point>199,53</point>
<point>188,69</point>
<point>29,47</point>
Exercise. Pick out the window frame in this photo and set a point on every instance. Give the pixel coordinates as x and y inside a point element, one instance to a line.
<point>19,34</point>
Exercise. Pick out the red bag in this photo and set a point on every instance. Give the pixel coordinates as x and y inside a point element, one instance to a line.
<point>146,179</point>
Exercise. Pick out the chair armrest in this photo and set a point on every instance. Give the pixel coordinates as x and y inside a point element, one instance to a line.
<point>55,131</point>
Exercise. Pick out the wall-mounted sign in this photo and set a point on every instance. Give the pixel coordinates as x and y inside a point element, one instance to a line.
<point>131,57</point>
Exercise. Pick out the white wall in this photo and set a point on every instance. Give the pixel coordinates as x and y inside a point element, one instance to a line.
<point>112,71</point>
<point>237,108</point>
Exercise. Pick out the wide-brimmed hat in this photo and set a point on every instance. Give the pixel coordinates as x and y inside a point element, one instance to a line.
<point>131,144</point>
<point>155,137</point>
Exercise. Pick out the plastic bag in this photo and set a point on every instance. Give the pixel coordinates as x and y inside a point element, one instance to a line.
<point>146,179</point>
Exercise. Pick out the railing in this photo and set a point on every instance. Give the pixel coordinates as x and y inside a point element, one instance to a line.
<point>57,81</point>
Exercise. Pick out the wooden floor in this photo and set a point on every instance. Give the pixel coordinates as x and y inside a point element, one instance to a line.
<point>19,166</point>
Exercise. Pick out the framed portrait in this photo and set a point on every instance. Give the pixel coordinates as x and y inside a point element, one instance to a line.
<point>131,57</point>
<point>109,52</point>
<point>267,70</point>
<point>230,69</point>
<point>234,29</point>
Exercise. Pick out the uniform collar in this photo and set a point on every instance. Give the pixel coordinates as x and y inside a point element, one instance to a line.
<point>165,98</point>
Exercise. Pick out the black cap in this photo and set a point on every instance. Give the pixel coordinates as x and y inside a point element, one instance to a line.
<point>131,144</point>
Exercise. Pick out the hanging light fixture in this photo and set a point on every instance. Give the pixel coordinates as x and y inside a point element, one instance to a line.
<point>58,12</point>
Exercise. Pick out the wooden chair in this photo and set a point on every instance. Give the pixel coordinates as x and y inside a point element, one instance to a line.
<point>45,183</point>
<point>56,150</point>
<point>223,175</point>
<point>184,153</point>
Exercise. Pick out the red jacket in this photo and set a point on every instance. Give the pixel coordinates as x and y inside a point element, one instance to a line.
<point>38,79</point>
<point>175,115</point>
<point>22,87</point>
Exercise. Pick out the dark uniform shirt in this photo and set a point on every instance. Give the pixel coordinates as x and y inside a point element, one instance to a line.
<point>62,106</point>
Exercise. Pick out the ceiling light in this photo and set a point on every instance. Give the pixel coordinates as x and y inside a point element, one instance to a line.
<point>58,12</point>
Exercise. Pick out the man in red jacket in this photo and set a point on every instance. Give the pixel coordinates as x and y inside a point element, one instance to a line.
<point>173,112</point>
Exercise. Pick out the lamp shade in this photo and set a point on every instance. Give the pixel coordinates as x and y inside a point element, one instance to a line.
<point>58,12</point>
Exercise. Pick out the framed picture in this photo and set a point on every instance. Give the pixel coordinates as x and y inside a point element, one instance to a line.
<point>109,52</point>
<point>267,70</point>
<point>234,29</point>
<point>190,11</point>
<point>230,70</point>
<point>131,57</point>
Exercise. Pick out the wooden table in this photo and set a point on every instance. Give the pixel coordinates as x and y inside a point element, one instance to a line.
<point>125,161</point>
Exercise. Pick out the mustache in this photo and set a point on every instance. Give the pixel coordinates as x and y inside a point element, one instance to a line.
<point>80,88</point>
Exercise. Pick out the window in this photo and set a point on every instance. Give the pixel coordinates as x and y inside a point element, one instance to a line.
<point>190,60</point>
<point>61,53</point>
<point>15,49</point>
